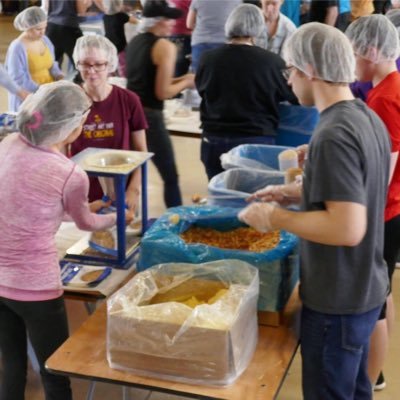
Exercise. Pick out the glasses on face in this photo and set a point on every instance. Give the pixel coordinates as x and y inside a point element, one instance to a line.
<point>287,71</point>
<point>98,67</point>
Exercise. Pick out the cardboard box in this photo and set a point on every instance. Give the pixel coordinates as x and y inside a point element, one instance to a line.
<point>193,354</point>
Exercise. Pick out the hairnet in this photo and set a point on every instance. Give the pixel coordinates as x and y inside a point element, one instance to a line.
<point>49,115</point>
<point>112,6</point>
<point>374,38</point>
<point>394,18</point>
<point>88,42</point>
<point>321,51</point>
<point>29,18</point>
<point>147,23</point>
<point>245,20</point>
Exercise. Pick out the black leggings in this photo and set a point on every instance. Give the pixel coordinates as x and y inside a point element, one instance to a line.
<point>391,250</point>
<point>63,39</point>
<point>159,142</point>
<point>392,244</point>
<point>47,326</point>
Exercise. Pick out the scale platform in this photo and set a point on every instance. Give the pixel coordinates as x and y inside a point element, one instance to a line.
<point>118,165</point>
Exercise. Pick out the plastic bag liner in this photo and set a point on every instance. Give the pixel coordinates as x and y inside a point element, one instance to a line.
<point>240,182</point>
<point>278,267</point>
<point>296,124</point>
<point>253,156</point>
<point>210,344</point>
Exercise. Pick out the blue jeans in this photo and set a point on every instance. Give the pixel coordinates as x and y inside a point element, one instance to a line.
<point>198,50</point>
<point>47,326</point>
<point>334,351</point>
<point>213,146</point>
<point>159,143</point>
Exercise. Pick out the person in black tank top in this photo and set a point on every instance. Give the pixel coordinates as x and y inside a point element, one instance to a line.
<point>150,68</point>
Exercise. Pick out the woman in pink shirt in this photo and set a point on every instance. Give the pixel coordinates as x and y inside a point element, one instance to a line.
<point>39,185</point>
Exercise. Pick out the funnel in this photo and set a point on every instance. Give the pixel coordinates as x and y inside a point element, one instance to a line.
<point>110,160</point>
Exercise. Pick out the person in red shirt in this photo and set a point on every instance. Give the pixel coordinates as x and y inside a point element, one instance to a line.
<point>376,46</point>
<point>181,36</point>
<point>116,119</point>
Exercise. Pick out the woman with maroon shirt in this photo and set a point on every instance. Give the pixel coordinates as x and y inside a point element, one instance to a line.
<point>116,119</point>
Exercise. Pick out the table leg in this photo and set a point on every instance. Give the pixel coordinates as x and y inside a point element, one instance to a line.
<point>90,392</point>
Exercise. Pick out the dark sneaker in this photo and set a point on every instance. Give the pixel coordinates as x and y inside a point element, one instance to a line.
<point>380,382</point>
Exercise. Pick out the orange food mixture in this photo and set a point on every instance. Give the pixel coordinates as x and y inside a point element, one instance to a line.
<point>235,239</point>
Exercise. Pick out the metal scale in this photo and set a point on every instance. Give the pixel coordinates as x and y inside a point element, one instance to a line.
<point>117,165</point>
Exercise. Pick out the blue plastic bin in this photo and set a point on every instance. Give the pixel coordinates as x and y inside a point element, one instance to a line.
<point>296,124</point>
<point>253,156</point>
<point>238,184</point>
<point>278,268</point>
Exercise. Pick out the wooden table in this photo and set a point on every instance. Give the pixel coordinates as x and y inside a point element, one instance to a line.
<point>69,235</point>
<point>181,126</point>
<point>83,356</point>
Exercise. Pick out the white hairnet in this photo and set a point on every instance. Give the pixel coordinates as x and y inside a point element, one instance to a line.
<point>29,18</point>
<point>245,20</point>
<point>86,43</point>
<point>321,51</point>
<point>394,18</point>
<point>112,6</point>
<point>374,38</point>
<point>147,23</point>
<point>49,115</point>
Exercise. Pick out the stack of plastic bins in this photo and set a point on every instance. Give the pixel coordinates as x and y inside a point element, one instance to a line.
<point>296,124</point>
<point>231,187</point>
<point>253,156</point>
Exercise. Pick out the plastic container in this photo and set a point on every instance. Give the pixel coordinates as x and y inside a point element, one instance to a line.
<point>288,159</point>
<point>278,267</point>
<point>241,182</point>
<point>253,156</point>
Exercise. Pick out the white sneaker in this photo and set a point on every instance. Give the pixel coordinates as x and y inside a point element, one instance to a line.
<point>380,383</point>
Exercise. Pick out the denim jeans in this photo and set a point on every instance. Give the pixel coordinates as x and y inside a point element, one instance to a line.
<point>159,143</point>
<point>213,146</point>
<point>47,326</point>
<point>334,351</point>
<point>198,50</point>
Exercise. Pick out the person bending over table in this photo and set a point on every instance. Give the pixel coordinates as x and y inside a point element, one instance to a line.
<point>39,185</point>
<point>150,63</point>
<point>116,119</point>
<point>241,86</point>
<point>344,280</point>
<point>30,58</point>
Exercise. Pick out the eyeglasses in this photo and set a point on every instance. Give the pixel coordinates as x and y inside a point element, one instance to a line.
<point>100,67</point>
<point>287,71</point>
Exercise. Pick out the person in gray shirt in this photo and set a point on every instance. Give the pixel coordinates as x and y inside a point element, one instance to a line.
<point>343,276</point>
<point>207,20</point>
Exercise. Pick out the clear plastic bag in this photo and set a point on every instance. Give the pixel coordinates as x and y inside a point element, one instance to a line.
<point>240,182</point>
<point>151,332</point>
<point>253,156</point>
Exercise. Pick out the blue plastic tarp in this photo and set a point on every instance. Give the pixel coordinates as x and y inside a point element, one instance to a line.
<point>278,268</point>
